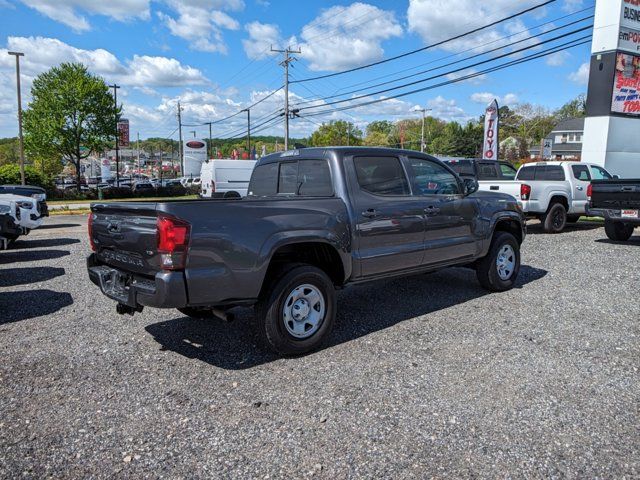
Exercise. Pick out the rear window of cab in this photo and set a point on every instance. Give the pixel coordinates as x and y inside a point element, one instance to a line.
<point>301,178</point>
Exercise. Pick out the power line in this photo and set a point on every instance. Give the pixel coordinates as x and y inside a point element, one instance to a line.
<point>572,44</point>
<point>466,67</point>
<point>446,64</point>
<point>412,52</point>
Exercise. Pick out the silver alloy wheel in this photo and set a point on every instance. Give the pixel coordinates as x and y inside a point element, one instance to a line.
<point>303,311</point>
<point>506,262</point>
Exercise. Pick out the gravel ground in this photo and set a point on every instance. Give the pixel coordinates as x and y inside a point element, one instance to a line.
<point>427,376</point>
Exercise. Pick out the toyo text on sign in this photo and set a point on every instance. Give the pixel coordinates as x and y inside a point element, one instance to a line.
<point>491,120</point>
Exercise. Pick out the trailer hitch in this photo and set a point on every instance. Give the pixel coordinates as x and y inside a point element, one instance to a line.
<point>123,309</point>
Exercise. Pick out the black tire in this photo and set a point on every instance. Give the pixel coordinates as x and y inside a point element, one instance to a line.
<point>270,317</point>
<point>487,267</point>
<point>618,231</point>
<point>573,218</point>
<point>555,219</point>
<point>200,313</point>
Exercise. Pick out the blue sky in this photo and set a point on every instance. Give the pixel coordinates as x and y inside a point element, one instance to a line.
<point>214,56</point>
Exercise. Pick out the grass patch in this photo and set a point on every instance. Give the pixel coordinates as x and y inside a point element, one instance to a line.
<point>69,211</point>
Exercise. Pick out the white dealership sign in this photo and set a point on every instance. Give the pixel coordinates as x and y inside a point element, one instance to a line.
<point>491,120</point>
<point>195,154</point>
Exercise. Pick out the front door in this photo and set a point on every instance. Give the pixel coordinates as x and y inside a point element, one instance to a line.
<point>450,216</point>
<point>389,221</point>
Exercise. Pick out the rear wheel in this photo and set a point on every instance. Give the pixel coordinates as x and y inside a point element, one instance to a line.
<point>498,270</point>
<point>296,313</point>
<point>618,231</point>
<point>555,219</point>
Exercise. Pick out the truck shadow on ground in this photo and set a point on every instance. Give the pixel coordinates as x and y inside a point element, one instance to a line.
<point>632,241</point>
<point>535,228</point>
<point>30,255</point>
<point>361,310</point>
<point>26,243</point>
<point>59,225</point>
<point>10,277</point>
<point>22,305</point>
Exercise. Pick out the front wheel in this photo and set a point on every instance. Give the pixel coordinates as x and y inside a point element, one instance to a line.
<point>618,231</point>
<point>296,314</point>
<point>498,270</point>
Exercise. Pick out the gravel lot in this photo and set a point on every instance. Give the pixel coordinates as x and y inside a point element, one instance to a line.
<point>424,377</point>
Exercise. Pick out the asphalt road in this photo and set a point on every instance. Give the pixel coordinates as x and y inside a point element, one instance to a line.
<point>427,376</point>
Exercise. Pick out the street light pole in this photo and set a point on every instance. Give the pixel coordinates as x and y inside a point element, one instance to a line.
<point>115,111</point>
<point>18,55</point>
<point>248,131</point>
<point>424,111</point>
<point>285,63</point>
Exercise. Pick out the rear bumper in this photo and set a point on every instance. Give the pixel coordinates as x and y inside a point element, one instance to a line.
<point>610,214</point>
<point>165,290</point>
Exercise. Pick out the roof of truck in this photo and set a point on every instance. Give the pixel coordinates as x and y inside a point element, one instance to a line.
<point>322,152</point>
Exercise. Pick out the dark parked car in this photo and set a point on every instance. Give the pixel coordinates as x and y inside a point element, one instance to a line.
<point>479,169</point>
<point>38,193</point>
<point>618,202</point>
<point>314,220</point>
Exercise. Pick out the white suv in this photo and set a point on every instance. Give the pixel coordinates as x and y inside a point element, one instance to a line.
<point>558,191</point>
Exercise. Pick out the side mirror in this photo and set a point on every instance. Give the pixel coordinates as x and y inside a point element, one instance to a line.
<point>470,185</point>
<point>616,177</point>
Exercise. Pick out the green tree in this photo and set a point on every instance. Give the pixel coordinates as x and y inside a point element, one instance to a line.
<point>576,108</point>
<point>336,132</point>
<point>71,115</point>
<point>10,174</point>
<point>380,126</point>
<point>9,150</point>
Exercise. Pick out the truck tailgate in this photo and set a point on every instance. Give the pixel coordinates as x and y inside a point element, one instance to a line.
<point>125,236</point>
<point>615,194</point>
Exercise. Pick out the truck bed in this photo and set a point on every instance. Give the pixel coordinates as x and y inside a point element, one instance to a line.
<point>615,194</point>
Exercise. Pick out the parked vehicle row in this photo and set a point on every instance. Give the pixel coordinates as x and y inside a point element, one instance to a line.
<point>314,220</point>
<point>22,208</point>
<point>225,178</point>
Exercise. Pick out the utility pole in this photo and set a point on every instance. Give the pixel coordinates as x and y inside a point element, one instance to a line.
<point>115,110</point>
<point>424,111</point>
<point>285,63</point>
<point>180,152</point>
<point>138,148</point>
<point>21,138</point>
<point>210,149</point>
<point>248,131</point>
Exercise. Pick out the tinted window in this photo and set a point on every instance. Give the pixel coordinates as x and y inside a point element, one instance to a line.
<point>430,178</point>
<point>381,175</point>
<point>288,178</point>
<point>600,173</point>
<point>508,171</point>
<point>527,173</point>
<point>549,172</point>
<point>581,172</point>
<point>314,179</point>
<point>462,167</point>
<point>487,171</point>
<point>264,180</point>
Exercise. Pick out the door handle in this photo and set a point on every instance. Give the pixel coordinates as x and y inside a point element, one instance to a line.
<point>494,187</point>
<point>431,210</point>
<point>579,188</point>
<point>370,213</point>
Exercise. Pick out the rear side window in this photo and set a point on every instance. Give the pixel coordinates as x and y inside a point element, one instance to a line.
<point>487,171</point>
<point>264,180</point>
<point>314,179</point>
<point>381,175</point>
<point>288,178</point>
<point>600,173</point>
<point>464,168</point>
<point>508,171</point>
<point>581,172</point>
<point>527,173</point>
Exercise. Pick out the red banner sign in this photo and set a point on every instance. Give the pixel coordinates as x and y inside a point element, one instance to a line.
<point>123,132</point>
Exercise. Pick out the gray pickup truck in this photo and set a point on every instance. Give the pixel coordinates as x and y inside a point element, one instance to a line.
<point>314,220</point>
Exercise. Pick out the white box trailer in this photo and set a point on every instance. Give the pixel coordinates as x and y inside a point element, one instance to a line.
<point>225,177</point>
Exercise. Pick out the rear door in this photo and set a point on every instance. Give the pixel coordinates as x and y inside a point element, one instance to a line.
<point>450,216</point>
<point>389,220</point>
<point>581,180</point>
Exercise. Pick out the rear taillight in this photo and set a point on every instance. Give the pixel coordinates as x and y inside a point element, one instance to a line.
<point>213,186</point>
<point>90,227</point>
<point>589,192</point>
<point>173,239</point>
<point>525,191</point>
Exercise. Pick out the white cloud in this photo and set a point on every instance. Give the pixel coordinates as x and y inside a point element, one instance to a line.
<point>572,5</point>
<point>580,76</point>
<point>68,11</point>
<point>434,21</point>
<point>140,71</point>
<point>447,110</point>
<point>486,98</point>
<point>261,37</point>
<point>201,22</point>
<point>557,59</point>
<point>345,37</point>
